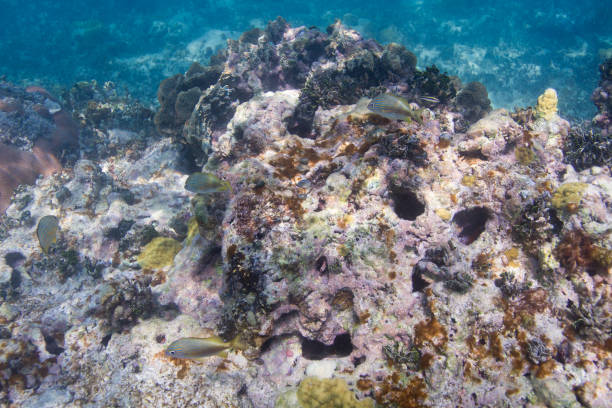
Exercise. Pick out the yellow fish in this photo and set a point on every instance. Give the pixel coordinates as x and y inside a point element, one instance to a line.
<point>46,231</point>
<point>196,348</point>
<point>206,183</point>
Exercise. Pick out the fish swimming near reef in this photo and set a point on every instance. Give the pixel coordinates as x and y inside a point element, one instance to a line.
<point>394,107</point>
<point>195,348</point>
<point>46,231</point>
<point>206,183</point>
<point>429,99</point>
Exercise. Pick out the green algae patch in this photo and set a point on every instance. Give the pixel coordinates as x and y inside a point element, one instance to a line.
<point>159,253</point>
<point>192,230</point>
<point>524,155</point>
<point>333,393</point>
<point>568,195</point>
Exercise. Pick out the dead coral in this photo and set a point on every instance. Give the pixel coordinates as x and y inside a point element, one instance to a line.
<point>536,223</point>
<point>403,356</point>
<point>473,101</point>
<point>121,303</point>
<point>508,285</point>
<point>592,317</point>
<point>537,352</point>
<point>403,146</point>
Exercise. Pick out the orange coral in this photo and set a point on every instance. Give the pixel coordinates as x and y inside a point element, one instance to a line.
<point>577,253</point>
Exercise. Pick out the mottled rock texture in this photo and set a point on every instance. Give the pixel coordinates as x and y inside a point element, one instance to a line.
<point>460,261</point>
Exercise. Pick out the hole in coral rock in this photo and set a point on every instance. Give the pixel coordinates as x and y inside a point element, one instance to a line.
<point>407,205</point>
<point>473,154</point>
<point>315,350</point>
<point>106,339</point>
<point>418,283</point>
<point>321,265</point>
<point>51,345</point>
<point>358,360</point>
<point>14,259</point>
<point>472,223</point>
<point>343,345</point>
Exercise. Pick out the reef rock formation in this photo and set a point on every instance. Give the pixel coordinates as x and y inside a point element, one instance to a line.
<point>455,260</point>
<point>329,69</point>
<point>602,97</point>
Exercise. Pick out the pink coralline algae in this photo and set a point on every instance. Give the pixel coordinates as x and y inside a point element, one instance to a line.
<point>420,262</point>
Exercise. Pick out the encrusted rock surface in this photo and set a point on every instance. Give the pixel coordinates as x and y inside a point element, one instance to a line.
<point>457,262</point>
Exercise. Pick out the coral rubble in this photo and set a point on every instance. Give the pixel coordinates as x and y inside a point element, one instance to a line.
<point>455,260</point>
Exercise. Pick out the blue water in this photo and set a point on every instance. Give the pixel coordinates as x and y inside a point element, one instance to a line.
<point>516,48</point>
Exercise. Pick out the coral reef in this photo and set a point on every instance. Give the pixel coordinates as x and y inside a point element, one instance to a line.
<point>336,68</point>
<point>547,104</point>
<point>458,260</point>
<point>602,98</point>
<point>473,101</point>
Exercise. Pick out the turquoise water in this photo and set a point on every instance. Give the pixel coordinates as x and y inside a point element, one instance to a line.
<point>517,49</point>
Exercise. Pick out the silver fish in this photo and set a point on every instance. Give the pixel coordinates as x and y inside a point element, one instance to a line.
<point>196,347</point>
<point>206,183</point>
<point>394,107</point>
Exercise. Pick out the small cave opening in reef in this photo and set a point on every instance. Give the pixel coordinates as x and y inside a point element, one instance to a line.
<point>406,204</point>
<point>315,350</point>
<point>52,346</point>
<point>14,259</point>
<point>471,222</point>
<point>418,283</point>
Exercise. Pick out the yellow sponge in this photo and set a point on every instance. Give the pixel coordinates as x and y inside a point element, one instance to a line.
<point>568,193</point>
<point>328,393</point>
<point>158,253</point>
<point>547,104</point>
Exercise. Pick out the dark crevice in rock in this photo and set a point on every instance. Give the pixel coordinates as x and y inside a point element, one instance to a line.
<point>418,283</point>
<point>358,360</point>
<point>472,222</point>
<point>315,350</point>
<point>106,339</point>
<point>51,345</point>
<point>407,205</point>
<point>473,154</point>
<point>321,265</point>
<point>14,259</point>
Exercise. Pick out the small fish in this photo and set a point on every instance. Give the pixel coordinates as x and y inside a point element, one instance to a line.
<point>206,183</point>
<point>430,99</point>
<point>196,347</point>
<point>47,231</point>
<point>394,107</point>
<point>304,183</point>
